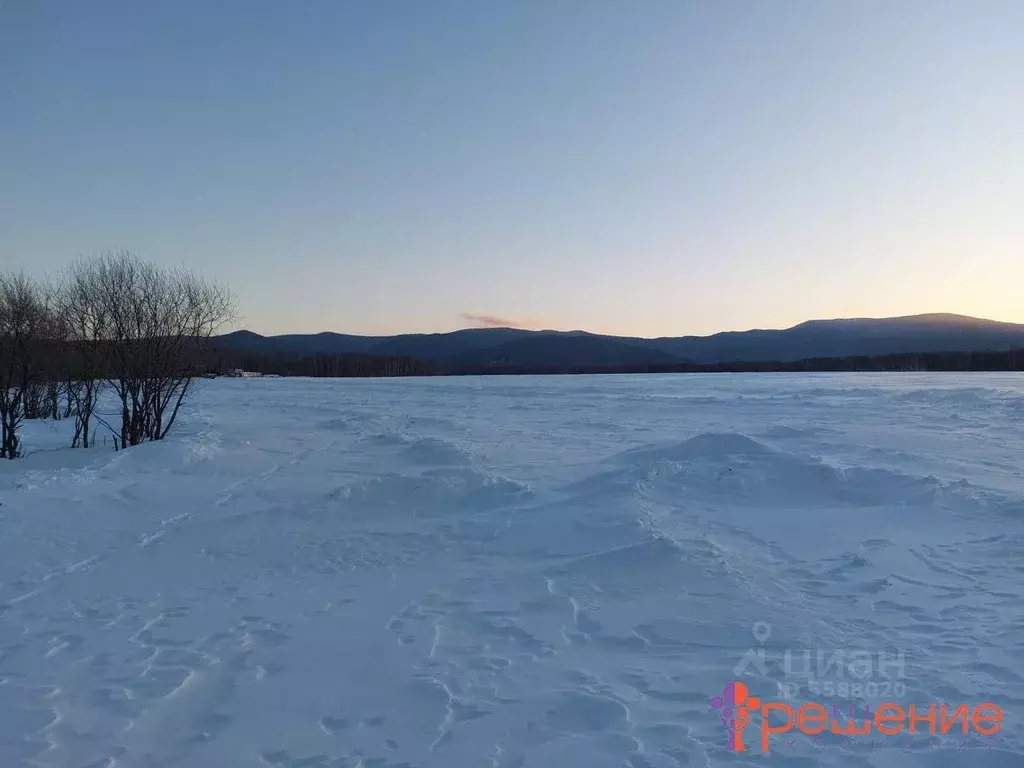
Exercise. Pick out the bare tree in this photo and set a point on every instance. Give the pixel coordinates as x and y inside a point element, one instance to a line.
<point>193,309</point>
<point>157,323</point>
<point>27,331</point>
<point>33,399</point>
<point>84,320</point>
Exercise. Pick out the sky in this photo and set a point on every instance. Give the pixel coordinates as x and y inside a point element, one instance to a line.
<point>652,168</point>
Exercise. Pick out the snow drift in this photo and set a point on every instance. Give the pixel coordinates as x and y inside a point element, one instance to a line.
<point>510,572</point>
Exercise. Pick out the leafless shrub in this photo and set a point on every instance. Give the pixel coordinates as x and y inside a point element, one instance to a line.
<point>27,331</point>
<point>157,323</point>
<point>114,322</point>
<point>84,321</point>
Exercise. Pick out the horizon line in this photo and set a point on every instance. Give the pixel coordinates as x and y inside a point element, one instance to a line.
<point>948,315</point>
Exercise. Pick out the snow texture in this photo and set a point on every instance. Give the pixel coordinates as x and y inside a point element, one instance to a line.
<point>528,571</point>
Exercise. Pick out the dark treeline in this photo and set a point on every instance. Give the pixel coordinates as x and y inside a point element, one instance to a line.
<point>354,365</point>
<point>322,365</point>
<point>1012,360</point>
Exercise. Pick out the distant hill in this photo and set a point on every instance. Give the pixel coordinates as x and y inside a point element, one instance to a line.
<point>482,348</point>
<point>299,344</point>
<point>444,346</point>
<point>848,337</point>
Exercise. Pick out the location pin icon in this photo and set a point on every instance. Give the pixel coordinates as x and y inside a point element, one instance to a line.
<point>762,631</point>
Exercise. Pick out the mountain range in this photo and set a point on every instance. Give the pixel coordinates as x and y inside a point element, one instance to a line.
<point>483,348</point>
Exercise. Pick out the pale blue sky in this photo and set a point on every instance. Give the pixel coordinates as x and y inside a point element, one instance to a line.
<point>638,167</point>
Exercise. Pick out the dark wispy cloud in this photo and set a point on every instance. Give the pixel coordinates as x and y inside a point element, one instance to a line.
<point>493,321</point>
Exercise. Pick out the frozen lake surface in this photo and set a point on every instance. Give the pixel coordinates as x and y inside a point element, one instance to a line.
<point>545,572</point>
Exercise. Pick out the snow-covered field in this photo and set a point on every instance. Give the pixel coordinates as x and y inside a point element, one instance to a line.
<point>551,571</point>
